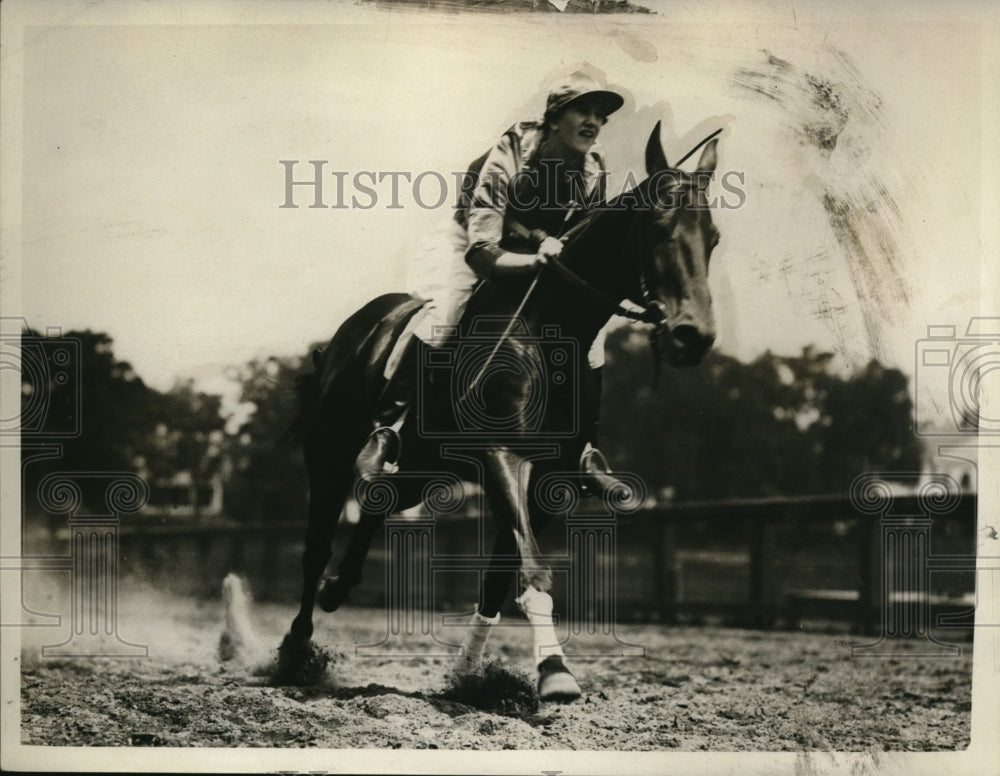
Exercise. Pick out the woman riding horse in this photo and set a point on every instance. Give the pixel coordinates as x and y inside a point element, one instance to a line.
<point>650,246</point>
<point>518,199</point>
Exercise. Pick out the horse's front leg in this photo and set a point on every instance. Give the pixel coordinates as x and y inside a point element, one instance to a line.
<point>506,486</point>
<point>504,481</point>
<point>555,682</point>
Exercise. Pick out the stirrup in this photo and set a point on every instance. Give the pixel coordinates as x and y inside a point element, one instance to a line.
<point>590,452</point>
<point>593,464</point>
<point>376,456</point>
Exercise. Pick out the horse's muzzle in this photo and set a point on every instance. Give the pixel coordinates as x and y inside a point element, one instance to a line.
<point>686,345</point>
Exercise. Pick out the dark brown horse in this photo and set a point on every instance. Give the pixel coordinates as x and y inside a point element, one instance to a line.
<point>504,387</point>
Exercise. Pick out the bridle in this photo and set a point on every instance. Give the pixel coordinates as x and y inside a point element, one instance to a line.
<point>650,310</point>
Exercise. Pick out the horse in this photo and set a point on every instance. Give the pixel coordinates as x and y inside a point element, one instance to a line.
<point>649,248</point>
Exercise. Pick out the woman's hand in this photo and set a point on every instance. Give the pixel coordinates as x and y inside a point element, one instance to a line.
<point>550,248</point>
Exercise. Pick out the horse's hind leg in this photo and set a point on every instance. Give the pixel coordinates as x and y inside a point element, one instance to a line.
<point>328,490</point>
<point>334,590</point>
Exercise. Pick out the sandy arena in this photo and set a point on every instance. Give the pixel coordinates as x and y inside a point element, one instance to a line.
<point>696,689</point>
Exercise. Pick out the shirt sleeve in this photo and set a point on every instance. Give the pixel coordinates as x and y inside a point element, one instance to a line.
<point>488,205</point>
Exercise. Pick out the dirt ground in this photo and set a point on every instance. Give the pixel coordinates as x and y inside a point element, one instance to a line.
<point>695,689</point>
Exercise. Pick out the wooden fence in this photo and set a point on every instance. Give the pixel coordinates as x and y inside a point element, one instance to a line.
<point>756,563</point>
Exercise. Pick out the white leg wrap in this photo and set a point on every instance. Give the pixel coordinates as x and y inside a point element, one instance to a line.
<point>537,607</point>
<point>475,640</point>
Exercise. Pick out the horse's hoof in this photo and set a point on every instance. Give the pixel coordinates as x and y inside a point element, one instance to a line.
<point>300,662</point>
<point>331,594</point>
<point>555,683</point>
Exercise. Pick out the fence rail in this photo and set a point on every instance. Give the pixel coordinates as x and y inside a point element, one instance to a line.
<point>757,562</point>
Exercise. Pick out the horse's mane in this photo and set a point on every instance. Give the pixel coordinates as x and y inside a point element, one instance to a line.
<point>594,217</point>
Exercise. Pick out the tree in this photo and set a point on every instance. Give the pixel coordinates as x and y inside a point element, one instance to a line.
<point>77,394</point>
<point>189,436</point>
<point>268,480</point>
<point>83,388</point>
<point>775,426</point>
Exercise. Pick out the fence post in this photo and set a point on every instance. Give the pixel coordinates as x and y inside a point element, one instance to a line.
<point>758,617</point>
<point>869,571</point>
<point>665,563</point>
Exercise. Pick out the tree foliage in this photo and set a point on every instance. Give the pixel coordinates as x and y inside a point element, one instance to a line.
<point>268,480</point>
<point>76,394</point>
<point>775,426</point>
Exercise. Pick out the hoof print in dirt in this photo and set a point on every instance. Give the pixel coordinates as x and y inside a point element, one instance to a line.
<point>300,663</point>
<point>496,688</point>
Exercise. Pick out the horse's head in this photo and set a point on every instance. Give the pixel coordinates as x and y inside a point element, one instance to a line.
<point>676,239</point>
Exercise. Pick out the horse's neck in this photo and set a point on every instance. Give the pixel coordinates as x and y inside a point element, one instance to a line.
<point>601,254</point>
<point>600,258</point>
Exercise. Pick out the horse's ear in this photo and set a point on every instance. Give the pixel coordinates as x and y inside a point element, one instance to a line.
<point>656,160</point>
<point>708,157</point>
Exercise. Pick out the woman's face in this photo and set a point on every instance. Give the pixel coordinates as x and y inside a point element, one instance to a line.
<point>577,127</point>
